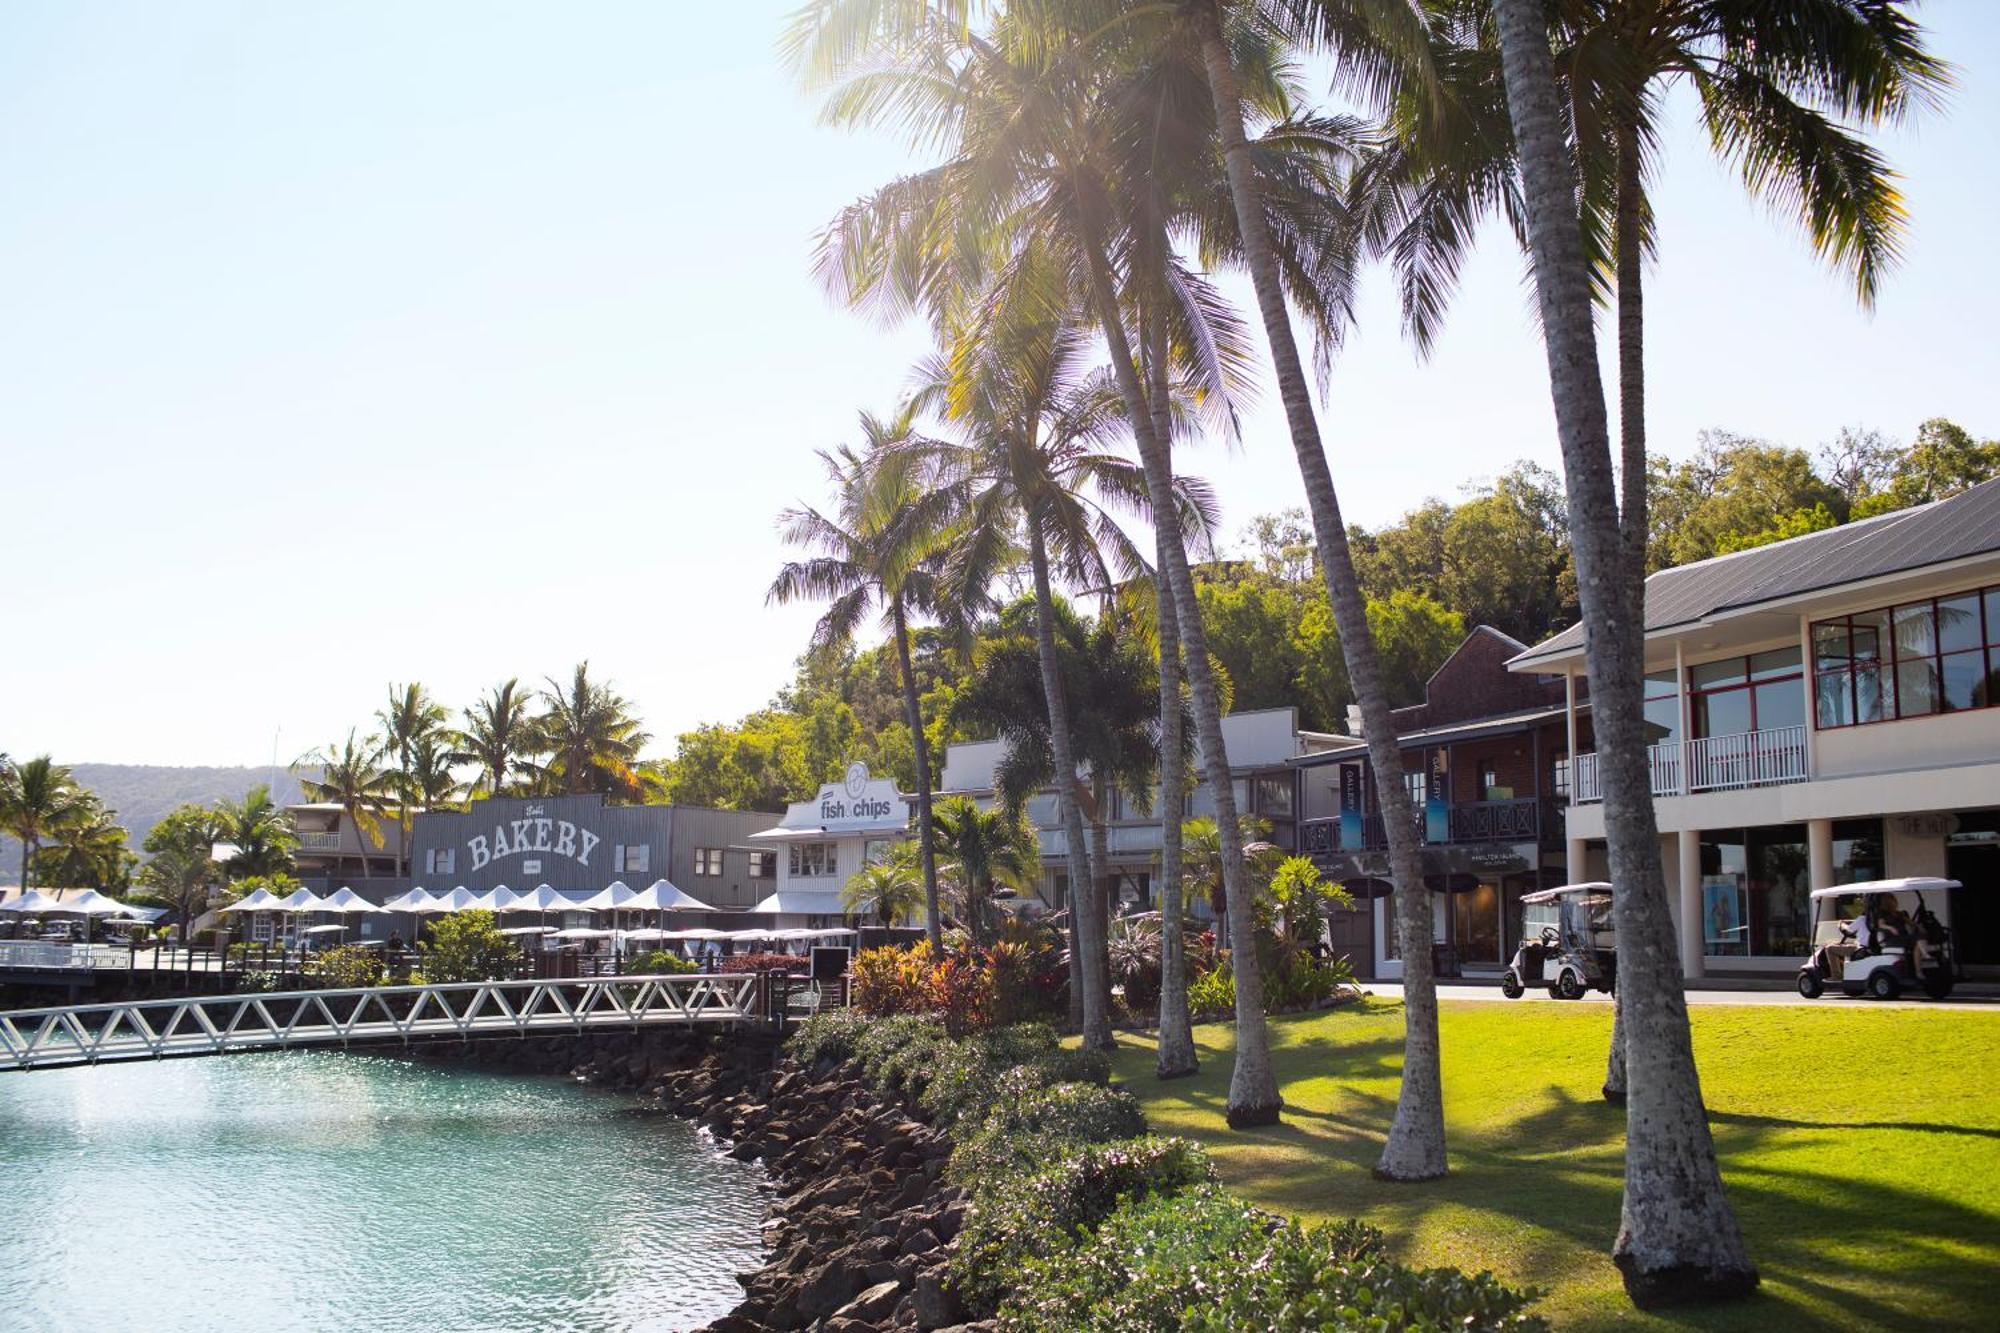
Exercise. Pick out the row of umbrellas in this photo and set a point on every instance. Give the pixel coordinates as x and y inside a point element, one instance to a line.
<point>659,896</point>
<point>86,903</point>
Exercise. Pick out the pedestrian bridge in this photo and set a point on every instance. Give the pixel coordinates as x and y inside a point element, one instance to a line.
<point>222,1024</point>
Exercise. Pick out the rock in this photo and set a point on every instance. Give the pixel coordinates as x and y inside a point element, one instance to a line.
<point>937,1305</point>
<point>827,1289</point>
<point>873,1303</point>
<point>923,1242</point>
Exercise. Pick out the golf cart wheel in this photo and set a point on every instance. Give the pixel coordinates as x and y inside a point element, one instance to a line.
<point>1811,986</point>
<point>1937,985</point>
<point>1882,985</point>
<point>1569,986</point>
<point>1511,987</point>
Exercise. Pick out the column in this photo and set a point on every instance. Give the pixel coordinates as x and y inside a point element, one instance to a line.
<point>1578,857</point>
<point>1819,853</point>
<point>1689,850</point>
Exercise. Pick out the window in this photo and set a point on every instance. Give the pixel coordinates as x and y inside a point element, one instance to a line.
<point>1940,655</point>
<point>1663,709</point>
<point>632,858</point>
<point>1274,797</point>
<point>441,861</point>
<point>763,865</point>
<point>1857,851</point>
<point>1753,892</point>
<point>813,859</point>
<point>708,861</point>
<point>1761,692</point>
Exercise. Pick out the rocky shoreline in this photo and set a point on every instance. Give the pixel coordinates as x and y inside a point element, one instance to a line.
<point>858,1235</point>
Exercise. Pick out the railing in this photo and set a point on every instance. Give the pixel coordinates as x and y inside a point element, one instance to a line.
<point>320,842</point>
<point>217,1025</point>
<point>1470,821</point>
<point>41,956</point>
<point>1765,758</point>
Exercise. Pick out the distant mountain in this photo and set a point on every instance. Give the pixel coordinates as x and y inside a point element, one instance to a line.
<point>143,793</point>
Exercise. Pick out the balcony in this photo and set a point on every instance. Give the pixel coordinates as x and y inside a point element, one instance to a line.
<point>1767,758</point>
<point>1469,822</point>
<point>319,842</point>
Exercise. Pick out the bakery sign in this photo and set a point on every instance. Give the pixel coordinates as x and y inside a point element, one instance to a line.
<point>859,801</point>
<point>534,833</point>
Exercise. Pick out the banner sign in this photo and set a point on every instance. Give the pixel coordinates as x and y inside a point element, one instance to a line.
<point>1350,805</point>
<point>1437,796</point>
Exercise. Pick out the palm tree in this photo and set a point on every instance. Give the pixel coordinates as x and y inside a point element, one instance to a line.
<point>499,736</point>
<point>410,718</point>
<point>1678,1238</point>
<point>890,888</point>
<point>86,848</point>
<point>877,550</point>
<point>431,779</point>
<point>350,778</point>
<point>1177,1058</point>
<point>260,831</point>
<point>35,798</point>
<point>591,737</point>
<point>985,850</point>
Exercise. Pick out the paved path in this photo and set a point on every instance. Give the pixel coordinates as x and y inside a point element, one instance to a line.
<point>1977,996</point>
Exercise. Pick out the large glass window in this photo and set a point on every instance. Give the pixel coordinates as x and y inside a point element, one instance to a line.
<point>1940,655</point>
<point>1760,692</point>
<point>1857,851</point>
<point>811,859</point>
<point>1663,709</point>
<point>1754,892</point>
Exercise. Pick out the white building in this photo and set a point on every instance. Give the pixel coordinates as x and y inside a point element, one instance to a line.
<point>1260,744</point>
<point>821,843</point>
<point>1824,710</point>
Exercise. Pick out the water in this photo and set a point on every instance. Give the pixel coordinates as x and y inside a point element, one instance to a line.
<point>327,1191</point>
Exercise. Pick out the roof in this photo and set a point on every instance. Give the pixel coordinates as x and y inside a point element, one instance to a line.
<point>1498,724</point>
<point>814,902</point>
<point>1962,525</point>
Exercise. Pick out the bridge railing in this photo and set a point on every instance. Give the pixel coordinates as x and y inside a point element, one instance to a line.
<point>220,1024</point>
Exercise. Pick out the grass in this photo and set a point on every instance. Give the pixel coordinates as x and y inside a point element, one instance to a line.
<point>1860,1148</point>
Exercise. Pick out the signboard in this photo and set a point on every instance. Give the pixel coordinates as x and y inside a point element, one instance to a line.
<point>1350,805</point>
<point>535,833</point>
<point>1722,912</point>
<point>860,802</point>
<point>1437,796</point>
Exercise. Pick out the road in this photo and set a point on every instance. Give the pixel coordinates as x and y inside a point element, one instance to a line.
<point>1976,996</point>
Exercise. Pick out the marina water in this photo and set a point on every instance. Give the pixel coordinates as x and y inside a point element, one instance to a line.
<point>324,1191</point>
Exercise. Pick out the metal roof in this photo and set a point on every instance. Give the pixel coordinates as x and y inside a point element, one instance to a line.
<point>1499,724</point>
<point>1966,524</point>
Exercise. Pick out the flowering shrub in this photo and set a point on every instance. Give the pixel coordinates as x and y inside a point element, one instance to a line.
<point>761,962</point>
<point>890,981</point>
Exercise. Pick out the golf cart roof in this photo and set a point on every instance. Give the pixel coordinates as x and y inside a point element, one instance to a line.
<point>1914,884</point>
<point>1565,891</point>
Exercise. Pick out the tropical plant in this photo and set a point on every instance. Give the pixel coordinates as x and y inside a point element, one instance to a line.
<point>409,720</point>
<point>259,830</point>
<point>348,775</point>
<point>1679,1238</point>
<point>890,982</point>
<point>499,736</point>
<point>36,796</point>
<point>86,848</point>
<point>1134,954</point>
<point>432,781</point>
<point>467,946</point>
<point>985,850</point>
<point>180,872</point>
<point>889,887</point>
<point>345,967</point>
<point>591,737</point>
<point>877,551</point>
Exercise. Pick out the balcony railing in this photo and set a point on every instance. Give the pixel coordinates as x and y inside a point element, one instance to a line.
<point>1470,821</point>
<point>1765,758</point>
<point>319,842</point>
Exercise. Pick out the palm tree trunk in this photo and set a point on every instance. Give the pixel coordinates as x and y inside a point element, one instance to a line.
<point>1415,1149</point>
<point>1253,1086</point>
<point>1677,1240</point>
<point>913,715</point>
<point>27,851</point>
<point>1630,257</point>
<point>1101,891</point>
<point>1086,974</point>
<point>1177,1058</point>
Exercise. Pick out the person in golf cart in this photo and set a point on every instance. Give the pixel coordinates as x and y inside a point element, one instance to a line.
<point>1893,942</point>
<point>1567,943</point>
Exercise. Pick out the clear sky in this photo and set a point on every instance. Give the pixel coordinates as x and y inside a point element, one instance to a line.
<point>347,343</point>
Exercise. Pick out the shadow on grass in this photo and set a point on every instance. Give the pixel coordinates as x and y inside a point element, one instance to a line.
<point>1536,1194</point>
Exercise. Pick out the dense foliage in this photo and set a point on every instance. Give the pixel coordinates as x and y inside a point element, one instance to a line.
<point>1080,1220</point>
<point>345,967</point>
<point>467,946</point>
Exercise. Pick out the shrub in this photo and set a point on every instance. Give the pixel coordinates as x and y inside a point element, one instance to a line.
<point>890,981</point>
<point>1134,951</point>
<point>661,962</point>
<point>1213,993</point>
<point>345,966</point>
<point>1204,1262</point>
<point>1023,1130</point>
<point>467,946</point>
<point>257,983</point>
<point>889,1047</point>
<point>1017,1218</point>
<point>761,962</point>
<point>832,1034</point>
<point>964,1075</point>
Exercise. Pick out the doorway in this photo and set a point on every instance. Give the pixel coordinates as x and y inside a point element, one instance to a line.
<point>1975,909</point>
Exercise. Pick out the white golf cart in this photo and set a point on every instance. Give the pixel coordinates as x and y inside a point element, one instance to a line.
<point>1567,943</point>
<point>1906,945</point>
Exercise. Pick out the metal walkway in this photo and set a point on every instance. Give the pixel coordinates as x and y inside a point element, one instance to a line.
<point>220,1024</point>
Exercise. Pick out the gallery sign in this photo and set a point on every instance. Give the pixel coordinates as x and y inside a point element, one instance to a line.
<point>535,832</point>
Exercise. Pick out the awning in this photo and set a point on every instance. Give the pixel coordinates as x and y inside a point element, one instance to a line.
<point>808,902</point>
<point>792,835</point>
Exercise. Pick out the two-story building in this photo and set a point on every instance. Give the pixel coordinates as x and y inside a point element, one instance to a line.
<point>1483,761</point>
<point>1822,710</point>
<point>333,851</point>
<point>820,844</point>
<point>1261,743</point>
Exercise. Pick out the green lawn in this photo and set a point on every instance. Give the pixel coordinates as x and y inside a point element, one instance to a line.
<point>1860,1146</point>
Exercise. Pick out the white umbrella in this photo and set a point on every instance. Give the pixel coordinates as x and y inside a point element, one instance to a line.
<point>300,900</point>
<point>583,933</point>
<point>529,930</point>
<point>615,897</point>
<point>32,903</point>
<point>345,900</point>
<point>542,898</point>
<point>460,899</point>
<point>500,898</point>
<point>258,900</point>
<point>90,902</point>
<point>416,900</point>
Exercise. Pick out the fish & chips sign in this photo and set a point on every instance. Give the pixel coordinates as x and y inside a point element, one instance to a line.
<point>534,833</point>
<point>858,801</point>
